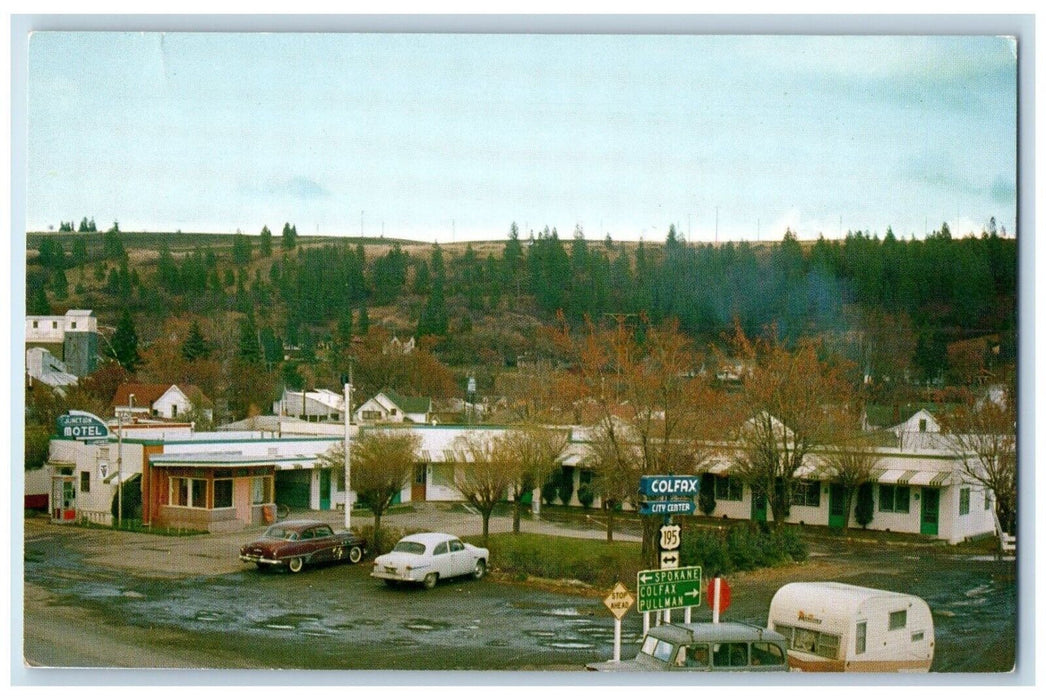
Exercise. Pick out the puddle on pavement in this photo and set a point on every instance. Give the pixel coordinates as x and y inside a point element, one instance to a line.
<point>425,625</point>
<point>208,616</point>
<point>288,622</point>
<point>569,644</point>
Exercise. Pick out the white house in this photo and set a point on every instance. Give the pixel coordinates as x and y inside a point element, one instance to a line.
<point>318,404</point>
<point>169,401</point>
<point>390,407</point>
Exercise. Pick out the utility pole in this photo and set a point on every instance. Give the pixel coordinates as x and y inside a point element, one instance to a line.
<point>348,445</point>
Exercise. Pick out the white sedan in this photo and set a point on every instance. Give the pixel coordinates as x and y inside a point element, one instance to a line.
<point>427,557</point>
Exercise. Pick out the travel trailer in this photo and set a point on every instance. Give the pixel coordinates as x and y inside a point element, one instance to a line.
<point>838,627</point>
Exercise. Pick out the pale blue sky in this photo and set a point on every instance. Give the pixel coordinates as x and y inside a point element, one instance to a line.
<point>441,137</point>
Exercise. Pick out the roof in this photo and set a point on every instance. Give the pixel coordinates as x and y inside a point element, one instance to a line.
<point>409,404</point>
<point>429,538</point>
<point>713,632</point>
<point>829,597</point>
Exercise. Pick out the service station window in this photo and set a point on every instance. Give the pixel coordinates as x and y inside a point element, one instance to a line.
<point>190,493</point>
<point>223,493</point>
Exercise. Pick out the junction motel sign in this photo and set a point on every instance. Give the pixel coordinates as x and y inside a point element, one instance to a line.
<point>666,589</point>
<point>81,425</point>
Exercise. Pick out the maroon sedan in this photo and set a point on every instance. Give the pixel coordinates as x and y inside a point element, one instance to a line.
<point>295,543</point>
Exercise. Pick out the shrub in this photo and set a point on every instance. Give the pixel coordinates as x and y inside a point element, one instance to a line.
<point>706,494</point>
<point>864,509</point>
<point>742,547</point>
<point>586,495</point>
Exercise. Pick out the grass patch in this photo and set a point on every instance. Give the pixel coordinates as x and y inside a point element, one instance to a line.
<point>594,562</point>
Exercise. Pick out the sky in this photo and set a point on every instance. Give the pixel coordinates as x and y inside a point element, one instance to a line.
<point>449,137</point>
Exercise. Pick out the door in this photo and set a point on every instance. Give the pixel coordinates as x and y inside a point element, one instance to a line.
<point>294,487</point>
<point>758,507</point>
<point>325,489</point>
<point>417,489</point>
<point>837,506</point>
<point>931,510</point>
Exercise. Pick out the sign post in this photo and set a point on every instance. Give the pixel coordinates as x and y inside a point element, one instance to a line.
<point>718,597</point>
<point>618,602</point>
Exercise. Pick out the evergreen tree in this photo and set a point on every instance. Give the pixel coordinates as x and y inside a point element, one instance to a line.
<point>265,247</point>
<point>363,320</point>
<point>60,285</point>
<point>250,349</point>
<point>195,346</point>
<point>241,249</point>
<point>38,304</point>
<point>290,237</point>
<point>125,342</point>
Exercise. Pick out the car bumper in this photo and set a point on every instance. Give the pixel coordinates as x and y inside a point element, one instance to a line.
<point>259,559</point>
<point>413,576</point>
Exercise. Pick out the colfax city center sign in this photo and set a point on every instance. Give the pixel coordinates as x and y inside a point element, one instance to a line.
<point>665,486</point>
<point>666,589</point>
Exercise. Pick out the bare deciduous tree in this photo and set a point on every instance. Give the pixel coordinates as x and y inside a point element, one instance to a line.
<point>381,463</point>
<point>785,394</point>
<point>983,433</point>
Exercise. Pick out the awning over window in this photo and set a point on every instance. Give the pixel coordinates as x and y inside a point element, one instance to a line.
<point>931,479</point>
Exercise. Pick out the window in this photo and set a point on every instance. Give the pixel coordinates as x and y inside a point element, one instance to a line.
<point>85,482</point>
<point>898,620</point>
<point>728,488</point>
<point>223,493</point>
<point>893,499</point>
<point>730,654</point>
<point>261,488</point>
<point>807,493</point>
<point>191,493</point>
<point>964,501</point>
<point>441,548</point>
<point>697,656</point>
<point>922,425</point>
<point>36,324</point>
<point>174,410</point>
<point>73,325</point>
<point>766,654</point>
<point>862,637</point>
<point>987,500</point>
<point>456,546</point>
<point>658,648</point>
<point>372,415</point>
<point>810,641</point>
<point>917,636</point>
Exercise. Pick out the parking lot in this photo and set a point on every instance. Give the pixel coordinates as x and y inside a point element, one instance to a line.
<point>98,598</point>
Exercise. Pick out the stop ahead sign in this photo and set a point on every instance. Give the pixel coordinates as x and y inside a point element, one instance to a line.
<point>724,594</point>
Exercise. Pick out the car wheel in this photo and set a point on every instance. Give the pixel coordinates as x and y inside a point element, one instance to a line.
<point>355,554</point>
<point>430,581</point>
<point>480,570</point>
<point>295,565</point>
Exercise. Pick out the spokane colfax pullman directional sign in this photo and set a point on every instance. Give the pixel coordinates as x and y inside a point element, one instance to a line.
<point>666,589</point>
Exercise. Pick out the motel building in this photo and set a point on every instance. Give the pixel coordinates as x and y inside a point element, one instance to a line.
<point>221,481</point>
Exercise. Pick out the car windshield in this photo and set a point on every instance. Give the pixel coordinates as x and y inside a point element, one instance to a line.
<point>658,648</point>
<point>409,547</point>
<point>278,532</point>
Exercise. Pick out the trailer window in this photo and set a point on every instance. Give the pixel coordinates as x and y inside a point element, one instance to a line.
<point>898,619</point>
<point>862,637</point>
<point>814,642</point>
